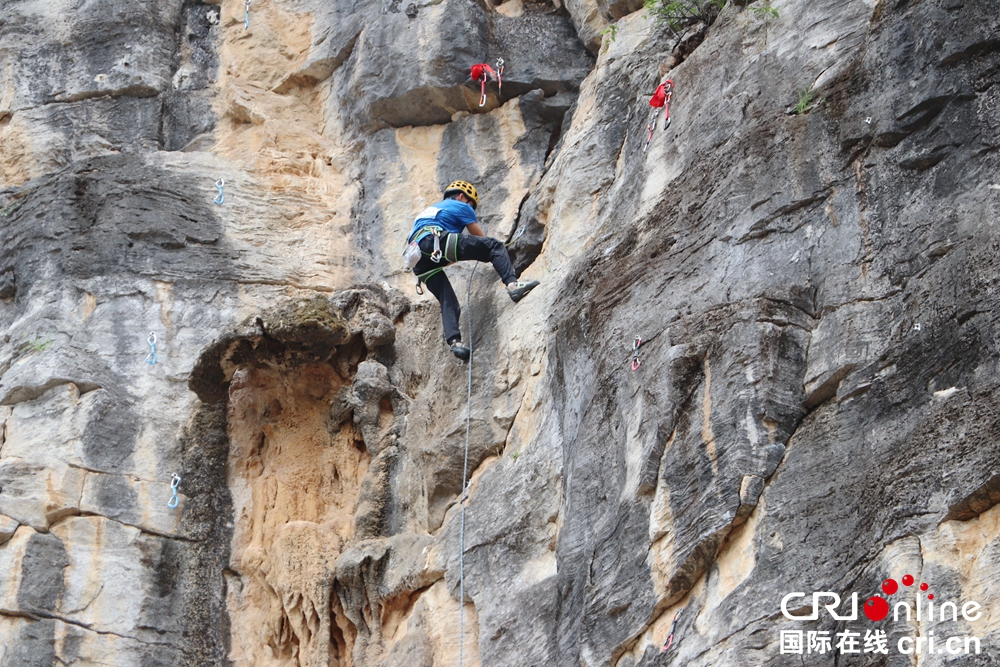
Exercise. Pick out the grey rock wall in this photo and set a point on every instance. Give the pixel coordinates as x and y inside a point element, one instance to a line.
<point>815,290</point>
<point>800,343</point>
<point>91,80</point>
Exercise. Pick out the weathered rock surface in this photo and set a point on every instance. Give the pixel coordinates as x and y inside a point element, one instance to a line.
<point>815,290</point>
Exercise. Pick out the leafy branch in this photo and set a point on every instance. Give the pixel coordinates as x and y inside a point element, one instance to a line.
<point>680,14</point>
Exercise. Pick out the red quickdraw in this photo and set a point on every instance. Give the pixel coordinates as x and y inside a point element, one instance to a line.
<point>635,353</point>
<point>670,638</point>
<point>661,98</point>
<point>668,88</point>
<point>482,72</point>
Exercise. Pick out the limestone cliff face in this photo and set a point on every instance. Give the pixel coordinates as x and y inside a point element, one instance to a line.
<point>808,253</point>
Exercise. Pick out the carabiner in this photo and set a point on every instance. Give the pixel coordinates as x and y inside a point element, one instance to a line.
<point>635,353</point>
<point>151,341</point>
<point>175,481</point>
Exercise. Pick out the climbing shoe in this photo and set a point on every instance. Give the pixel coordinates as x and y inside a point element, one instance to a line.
<point>460,351</point>
<point>521,289</point>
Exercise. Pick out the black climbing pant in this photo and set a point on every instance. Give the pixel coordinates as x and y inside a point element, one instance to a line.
<point>479,248</point>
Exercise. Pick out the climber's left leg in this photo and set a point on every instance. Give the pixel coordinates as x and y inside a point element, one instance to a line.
<point>487,249</point>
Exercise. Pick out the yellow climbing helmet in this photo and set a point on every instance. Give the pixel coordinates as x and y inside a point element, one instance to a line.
<point>466,188</point>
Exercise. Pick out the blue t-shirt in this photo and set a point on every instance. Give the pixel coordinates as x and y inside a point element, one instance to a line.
<point>450,215</point>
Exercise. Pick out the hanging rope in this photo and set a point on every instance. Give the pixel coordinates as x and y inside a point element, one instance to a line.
<point>221,199</point>
<point>465,483</point>
<point>175,481</point>
<point>246,21</point>
<point>151,358</point>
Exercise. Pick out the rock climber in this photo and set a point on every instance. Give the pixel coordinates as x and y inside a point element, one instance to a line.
<point>437,231</point>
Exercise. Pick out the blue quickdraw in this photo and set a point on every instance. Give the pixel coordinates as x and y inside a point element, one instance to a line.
<point>175,481</point>
<point>220,200</point>
<point>246,23</point>
<point>516,237</point>
<point>151,358</point>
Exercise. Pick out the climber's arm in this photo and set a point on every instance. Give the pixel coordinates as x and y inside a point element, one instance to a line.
<point>475,229</point>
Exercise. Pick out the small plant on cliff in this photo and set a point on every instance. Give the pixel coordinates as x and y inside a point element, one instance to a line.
<point>768,14</point>
<point>765,11</point>
<point>679,14</point>
<point>514,455</point>
<point>38,344</point>
<point>805,99</point>
<point>612,32</point>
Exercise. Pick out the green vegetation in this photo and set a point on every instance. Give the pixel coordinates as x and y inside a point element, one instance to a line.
<point>679,14</point>
<point>39,345</point>
<point>514,455</point>
<point>805,99</point>
<point>765,11</point>
<point>612,32</point>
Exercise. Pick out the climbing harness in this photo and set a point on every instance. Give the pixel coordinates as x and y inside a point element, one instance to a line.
<point>670,637</point>
<point>465,482</point>
<point>151,358</point>
<point>661,98</point>
<point>220,200</point>
<point>246,21</point>
<point>481,72</point>
<point>175,481</point>
<point>449,254</point>
<point>422,277</point>
<point>451,248</point>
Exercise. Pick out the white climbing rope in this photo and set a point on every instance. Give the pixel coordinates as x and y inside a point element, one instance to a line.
<point>465,483</point>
